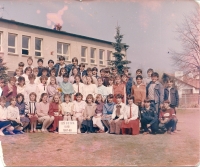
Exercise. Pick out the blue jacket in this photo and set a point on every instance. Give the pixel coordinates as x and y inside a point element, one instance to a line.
<point>129,86</point>
<point>173,96</point>
<point>158,92</point>
<point>83,73</point>
<point>149,115</point>
<point>57,67</point>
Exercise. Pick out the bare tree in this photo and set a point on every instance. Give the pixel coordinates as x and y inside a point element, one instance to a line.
<point>188,60</point>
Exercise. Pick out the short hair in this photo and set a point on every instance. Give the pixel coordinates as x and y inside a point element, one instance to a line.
<point>170,80</point>
<point>100,78</point>
<point>155,74</point>
<point>50,61</point>
<point>65,75</point>
<point>139,76</point>
<point>42,95</point>
<point>43,77</point>
<point>139,70</point>
<point>102,70</point>
<point>21,64</point>
<point>44,69</point>
<point>89,69</point>
<point>20,95</point>
<point>53,70</point>
<point>18,70</point>
<point>107,70</point>
<point>29,58</point>
<point>20,79</point>
<point>150,70</point>
<point>40,60</point>
<point>147,100</point>
<point>111,79</point>
<point>95,69</point>
<point>75,59</point>
<point>12,79</point>
<point>167,101</point>
<point>89,96</point>
<point>78,94</point>
<point>2,81</point>
<point>63,68</point>
<point>27,69</point>
<point>118,76</point>
<point>35,69</point>
<point>66,95</point>
<point>12,99</point>
<point>125,69</point>
<point>119,96</point>
<point>33,93</point>
<point>130,98</point>
<point>82,65</point>
<point>31,76</point>
<point>2,98</point>
<point>61,58</point>
<point>110,96</point>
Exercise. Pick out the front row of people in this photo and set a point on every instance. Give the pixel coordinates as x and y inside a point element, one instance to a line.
<point>91,116</point>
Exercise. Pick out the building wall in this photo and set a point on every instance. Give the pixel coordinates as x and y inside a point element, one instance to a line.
<point>49,45</point>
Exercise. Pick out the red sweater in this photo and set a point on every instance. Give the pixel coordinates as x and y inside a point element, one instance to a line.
<point>169,113</point>
<point>11,94</point>
<point>53,107</point>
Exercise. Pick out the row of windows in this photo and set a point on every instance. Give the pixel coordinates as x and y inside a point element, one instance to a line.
<point>63,49</point>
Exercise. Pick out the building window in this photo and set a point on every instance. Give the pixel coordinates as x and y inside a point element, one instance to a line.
<point>25,45</point>
<point>83,54</point>
<point>187,91</point>
<point>109,55</point>
<point>12,38</point>
<point>101,57</point>
<point>1,41</point>
<point>63,50</point>
<point>38,47</point>
<point>93,56</point>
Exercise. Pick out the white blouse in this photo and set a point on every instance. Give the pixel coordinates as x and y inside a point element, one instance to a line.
<point>21,90</point>
<point>29,89</point>
<point>13,113</point>
<point>81,88</point>
<point>40,89</point>
<point>3,112</point>
<point>89,89</point>
<point>67,108</point>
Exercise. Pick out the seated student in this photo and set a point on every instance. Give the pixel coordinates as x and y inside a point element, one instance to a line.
<point>147,80</point>
<point>52,88</point>
<point>98,114</point>
<point>73,74</point>
<point>78,86</point>
<point>13,115</point>
<point>73,65</point>
<point>31,87</point>
<point>95,72</point>
<point>31,111</point>
<point>107,112</point>
<point>18,74</point>
<point>101,89</point>
<point>10,90</point>
<point>21,106</point>
<point>167,117</point>
<point>60,65</point>
<point>117,115</point>
<point>27,72</point>
<point>21,87</point>
<point>42,87</point>
<point>67,108</point>
<point>110,86</point>
<point>89,73</point>
<point>149,118</point>
<point>131,120</point>
<point>66,87</point>
<point>42,111</point>
<point>82,71</point>
<point>88,114</point>
<point>55,111</point>
<point>40,67</point>
<point>4,123</point>
<point>106,77</point>
<point>78,110</point>
<point>59,78</point>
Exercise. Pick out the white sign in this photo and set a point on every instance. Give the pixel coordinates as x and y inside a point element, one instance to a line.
<point>67,127</point>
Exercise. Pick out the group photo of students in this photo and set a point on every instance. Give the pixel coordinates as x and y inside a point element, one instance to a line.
<point>100,100</point>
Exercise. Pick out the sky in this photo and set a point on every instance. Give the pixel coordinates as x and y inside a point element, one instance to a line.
<point>148,26</point>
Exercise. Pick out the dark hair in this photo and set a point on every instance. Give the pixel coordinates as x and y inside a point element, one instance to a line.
<point>44,69</point>
<point>82,65</point>
<point>150,69</point>
<point>27,68</point>
<point>170,80</point>
<point>78,94</point>
<point>139,70</point>
<point>147,100</point>
<point>89,69</point>
<point>20,95</point>
<point>33,93</point>
<point>113,68</point>
<point>31,76</point>
<point>21,64</point>
<point>130,98</point>
<point>139,76</point>
<point>52,70</point>
<point>61,58</point>
<point>43,77</point>
<point>107,70</point>
<point>155,74</point>
<point>110,96</point>
<point>74,69</point>
<point>102,70</point>
<point>111,79</point>
<point>119,96</point>
<point>63,68</point>
<point>166,101</point>
<point>95,69</point>
<point>21,79</point>
<point>75,59</point>
<point>66,95</point>
<point>42,95</point>
<point>65,75</point>
<point>89,96</point>
<point>40,60</point>
<point>50,61</point>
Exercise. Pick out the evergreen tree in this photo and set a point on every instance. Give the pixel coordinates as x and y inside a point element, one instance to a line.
<point>3,68</point>
<point>119,63</point>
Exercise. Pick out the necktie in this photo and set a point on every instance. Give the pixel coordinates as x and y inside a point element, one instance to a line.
<point>130,112</point>
<point>44,87</point>
<point>78,87</point>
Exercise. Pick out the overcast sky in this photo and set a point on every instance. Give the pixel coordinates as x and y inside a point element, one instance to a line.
<point>148,25</point>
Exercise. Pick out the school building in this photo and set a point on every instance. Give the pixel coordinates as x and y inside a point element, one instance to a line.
<point>19,41</point>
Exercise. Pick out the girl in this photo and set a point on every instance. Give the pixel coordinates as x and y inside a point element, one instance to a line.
<point>21,106</point>
<point>52,74</point>
<point>42,87</point>
<point>89,113</point>
<point>13,115</point>
<point>31,87</point>
<point>78,110</point>
<point>89,88</point>
<point>107,112</point>
<point>55,111</point>
<point>35,72</point>
<point>98,114</point>
<point>110,86</point>
<point>4,123</point>
<point>21,85</point>
<point>119,88</point>
<point>42,111</point>
<point>27,72</point>
<point>59,79</point>
<point>74,73</point>
<point>101,89</point>
<point>94,72</point>
<point>67,108</point>
<point>10,90</point>
<point>45,73</point>
<point>31,111</point>
<point>52,88</point>
<point>78,86</point>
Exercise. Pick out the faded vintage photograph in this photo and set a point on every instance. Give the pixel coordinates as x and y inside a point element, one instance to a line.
<point>99,82</point>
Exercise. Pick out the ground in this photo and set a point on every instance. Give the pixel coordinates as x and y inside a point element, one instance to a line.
<point>105,149</point>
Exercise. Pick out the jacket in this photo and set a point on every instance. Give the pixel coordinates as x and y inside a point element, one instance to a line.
<point>174,97</point>
<point>129,84</point>
<point>57,67</point>
<point>158,92</point>
<point>149,115</point>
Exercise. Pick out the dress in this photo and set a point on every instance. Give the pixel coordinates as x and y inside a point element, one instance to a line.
<point>67,110</point>
<point>51,91</point>
<point>31,109</point>
<point>118,89</point>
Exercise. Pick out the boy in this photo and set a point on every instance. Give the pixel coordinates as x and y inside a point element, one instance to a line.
<point>138,72</point>
<point>89,73</point>
<point>50,66</point>
<point>148,78</point>
<point>114,72</point>
<point>149,118</point>
<point>20,67</point>
<point>18,73</point>
<point>60,65</point>
<point>40,67</point>
<point>102,73</point>
<point>66,87</point>
<point>155,92</point>
<point>29,62</point>
<point>94,72</point>
<point>82,71</point>
<point>101,89</point>
<point>74,64</point>
<point>106,78</point>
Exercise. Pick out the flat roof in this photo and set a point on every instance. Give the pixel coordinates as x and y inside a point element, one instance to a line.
<point>55,31</point>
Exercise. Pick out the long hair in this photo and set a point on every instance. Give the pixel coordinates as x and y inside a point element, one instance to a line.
<point>99,96</point>
<point>89,96</point>
<point>42,95</point>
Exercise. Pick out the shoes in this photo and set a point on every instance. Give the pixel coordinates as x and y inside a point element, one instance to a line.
<point>145,133</point>
<point>79,131</point>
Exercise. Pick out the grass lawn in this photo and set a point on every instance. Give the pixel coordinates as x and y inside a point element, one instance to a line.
<point>48,149</point>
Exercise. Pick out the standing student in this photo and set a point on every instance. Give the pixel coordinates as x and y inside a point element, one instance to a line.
<point>29,63</point>
<point>20,67</point>
<point>40,67</point>
<point>82,71</point>
<point>42,112</point>
<point>27,72</point>
<point>119,88</point>
<point>18,74</point>
<point>117,115</point>
<point>31,87</point>
<point>73,65</point>
<point>138,72</point>
<point>4,123</point>
<point>110,86</point>
<point>60,65</point>
<point>155,92</point>
<point>35,72</point>
<point>131,120</point>
<point>128,82</point>
<point>31,111</point>
<point>59,78</point>
<point>10,90</point>
<point>74,73</point>
<point>106,77</point>
<point>42,87</point>
<point>147,80</point>
<point>66,87</point>
<point>89,73</point>
<point>101,89</point>
<point>55,111</point>
<point>78,110</point>
<point>21,106</point>
<point>78,86</point>
<point>52,88</point>
<point>98,114</point>
<point>107,112</point>
<point>102,73</point>
<point>52,73</point>
<point>21,87</point>
<point>95,72</point>
<point>50,66</point>
<point>67,108</point>
<point>114,72</point>
<point>89,113</point>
